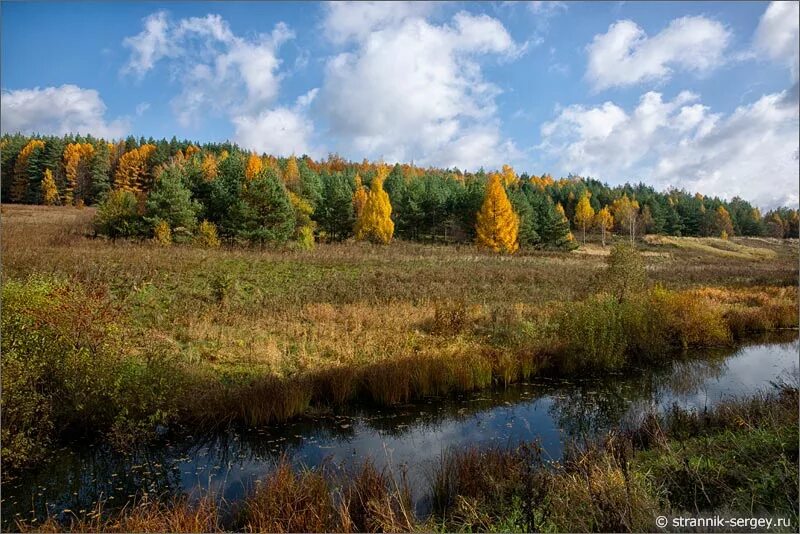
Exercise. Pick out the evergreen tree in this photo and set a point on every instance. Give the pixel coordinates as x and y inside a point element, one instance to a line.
<point>171,202</point>
<point>268,214</point>
<point>335,214</point>
<point>527,235</point>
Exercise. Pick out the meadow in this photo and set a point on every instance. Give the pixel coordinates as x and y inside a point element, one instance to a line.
<point>122,337</point>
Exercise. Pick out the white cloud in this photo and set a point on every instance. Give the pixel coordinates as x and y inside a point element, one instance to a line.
<point>217,70</point>
<point>345,21</point>
<point>150,45</point>
<point>410,89</point>
<point>281,131</point>
<point>751,153</point>
<point>778,34</point>
<point>625,55</point>
<point>58,111</point>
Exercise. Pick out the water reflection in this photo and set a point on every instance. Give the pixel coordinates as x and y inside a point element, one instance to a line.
<point>552,410</point>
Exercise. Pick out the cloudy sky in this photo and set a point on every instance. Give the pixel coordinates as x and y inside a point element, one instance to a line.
<point>696,95</point>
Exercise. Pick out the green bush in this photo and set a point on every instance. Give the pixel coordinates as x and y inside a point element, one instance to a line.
<point>593,332</point>
<point>65,370</point>
<point>118,215</point>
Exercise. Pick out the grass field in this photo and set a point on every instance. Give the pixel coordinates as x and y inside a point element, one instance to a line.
<point>260,334</point>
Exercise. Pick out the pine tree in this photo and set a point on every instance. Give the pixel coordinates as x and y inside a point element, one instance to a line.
<point>497,224</point>
<point>375,222</point>
<point>527,235</point>
<point>584,214</point>
<point>21,178</point>
<point>268,214</point>
<point>335,213</point>
<point>170,201</point>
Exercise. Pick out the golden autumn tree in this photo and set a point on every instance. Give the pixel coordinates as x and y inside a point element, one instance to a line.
<point>626,213</point>
<point>497,224</point>
<point>508,175</point>
<point>359,197</point>
<point>253,167</point>
<point>49,189</point>
<point>21,178</point>
<point>76,157</point>
<point>605,221</point>
<point>292,173</point>
<point>209,167</point>
<point>723,224</point>
<point>132,171</point>
<point>584,214</point>
<point>375,222</point>
<point>564,221</point>
<point>191,150</point>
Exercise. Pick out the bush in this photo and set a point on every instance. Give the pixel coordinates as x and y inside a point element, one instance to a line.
<point>594,334</point>
<point>207,235</point>
<point>118,215</point>
<point>62,371</point>
<point>162,234</point>
<point>625,275</point>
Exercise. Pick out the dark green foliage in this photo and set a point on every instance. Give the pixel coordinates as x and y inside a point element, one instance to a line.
<point>268,215</point>
<point>427,204</point>
<point>528,222</point>
<point>100,172</point>
<point>335,215</point>
<point>170,201</point>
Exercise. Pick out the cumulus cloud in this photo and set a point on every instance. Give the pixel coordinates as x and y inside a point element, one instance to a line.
<point>752,152</point>
<point>282,130</point>
<point>410,90</point>
<point>217,70</point>
<point>345,21</point>
<point>625,55</point>
<point>778,34</point>
<point>58,111</point>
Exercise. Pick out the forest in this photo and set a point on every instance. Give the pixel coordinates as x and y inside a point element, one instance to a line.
<point>178,191</point>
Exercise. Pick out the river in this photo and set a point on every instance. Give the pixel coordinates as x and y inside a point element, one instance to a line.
<point>410,437</point>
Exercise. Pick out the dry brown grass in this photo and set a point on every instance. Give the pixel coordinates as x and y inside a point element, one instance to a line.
<point>267,332</point>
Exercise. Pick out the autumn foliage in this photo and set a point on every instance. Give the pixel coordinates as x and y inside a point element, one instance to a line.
<point>497,224</point>
<point>375,222</point>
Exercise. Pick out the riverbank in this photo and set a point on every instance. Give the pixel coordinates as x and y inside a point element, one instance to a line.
<point>128,339</point>
<point>740,458</point>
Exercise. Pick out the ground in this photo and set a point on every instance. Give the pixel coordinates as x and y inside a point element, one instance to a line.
<point>284,311</point>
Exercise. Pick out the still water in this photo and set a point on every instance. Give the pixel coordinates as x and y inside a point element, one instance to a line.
<point>411,437</point>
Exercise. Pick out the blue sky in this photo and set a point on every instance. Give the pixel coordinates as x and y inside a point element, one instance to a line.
<point>696,95</point>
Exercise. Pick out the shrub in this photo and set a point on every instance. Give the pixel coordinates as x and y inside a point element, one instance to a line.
<point>625,275</point>
<point>594,334</point>
<point>162,234</point>
<point>207,235</point>
<point>118,215</point>
<point>62,371</point>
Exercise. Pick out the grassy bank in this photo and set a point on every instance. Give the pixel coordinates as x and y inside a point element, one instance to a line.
<point>739,459</point>
<point>123,338</point>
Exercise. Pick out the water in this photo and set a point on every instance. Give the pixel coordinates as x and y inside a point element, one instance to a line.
<point>409,437</point>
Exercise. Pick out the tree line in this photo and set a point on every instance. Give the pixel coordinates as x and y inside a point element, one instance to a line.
<point>180,191</point>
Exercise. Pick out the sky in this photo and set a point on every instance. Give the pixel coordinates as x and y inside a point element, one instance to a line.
<point>695,95</point>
